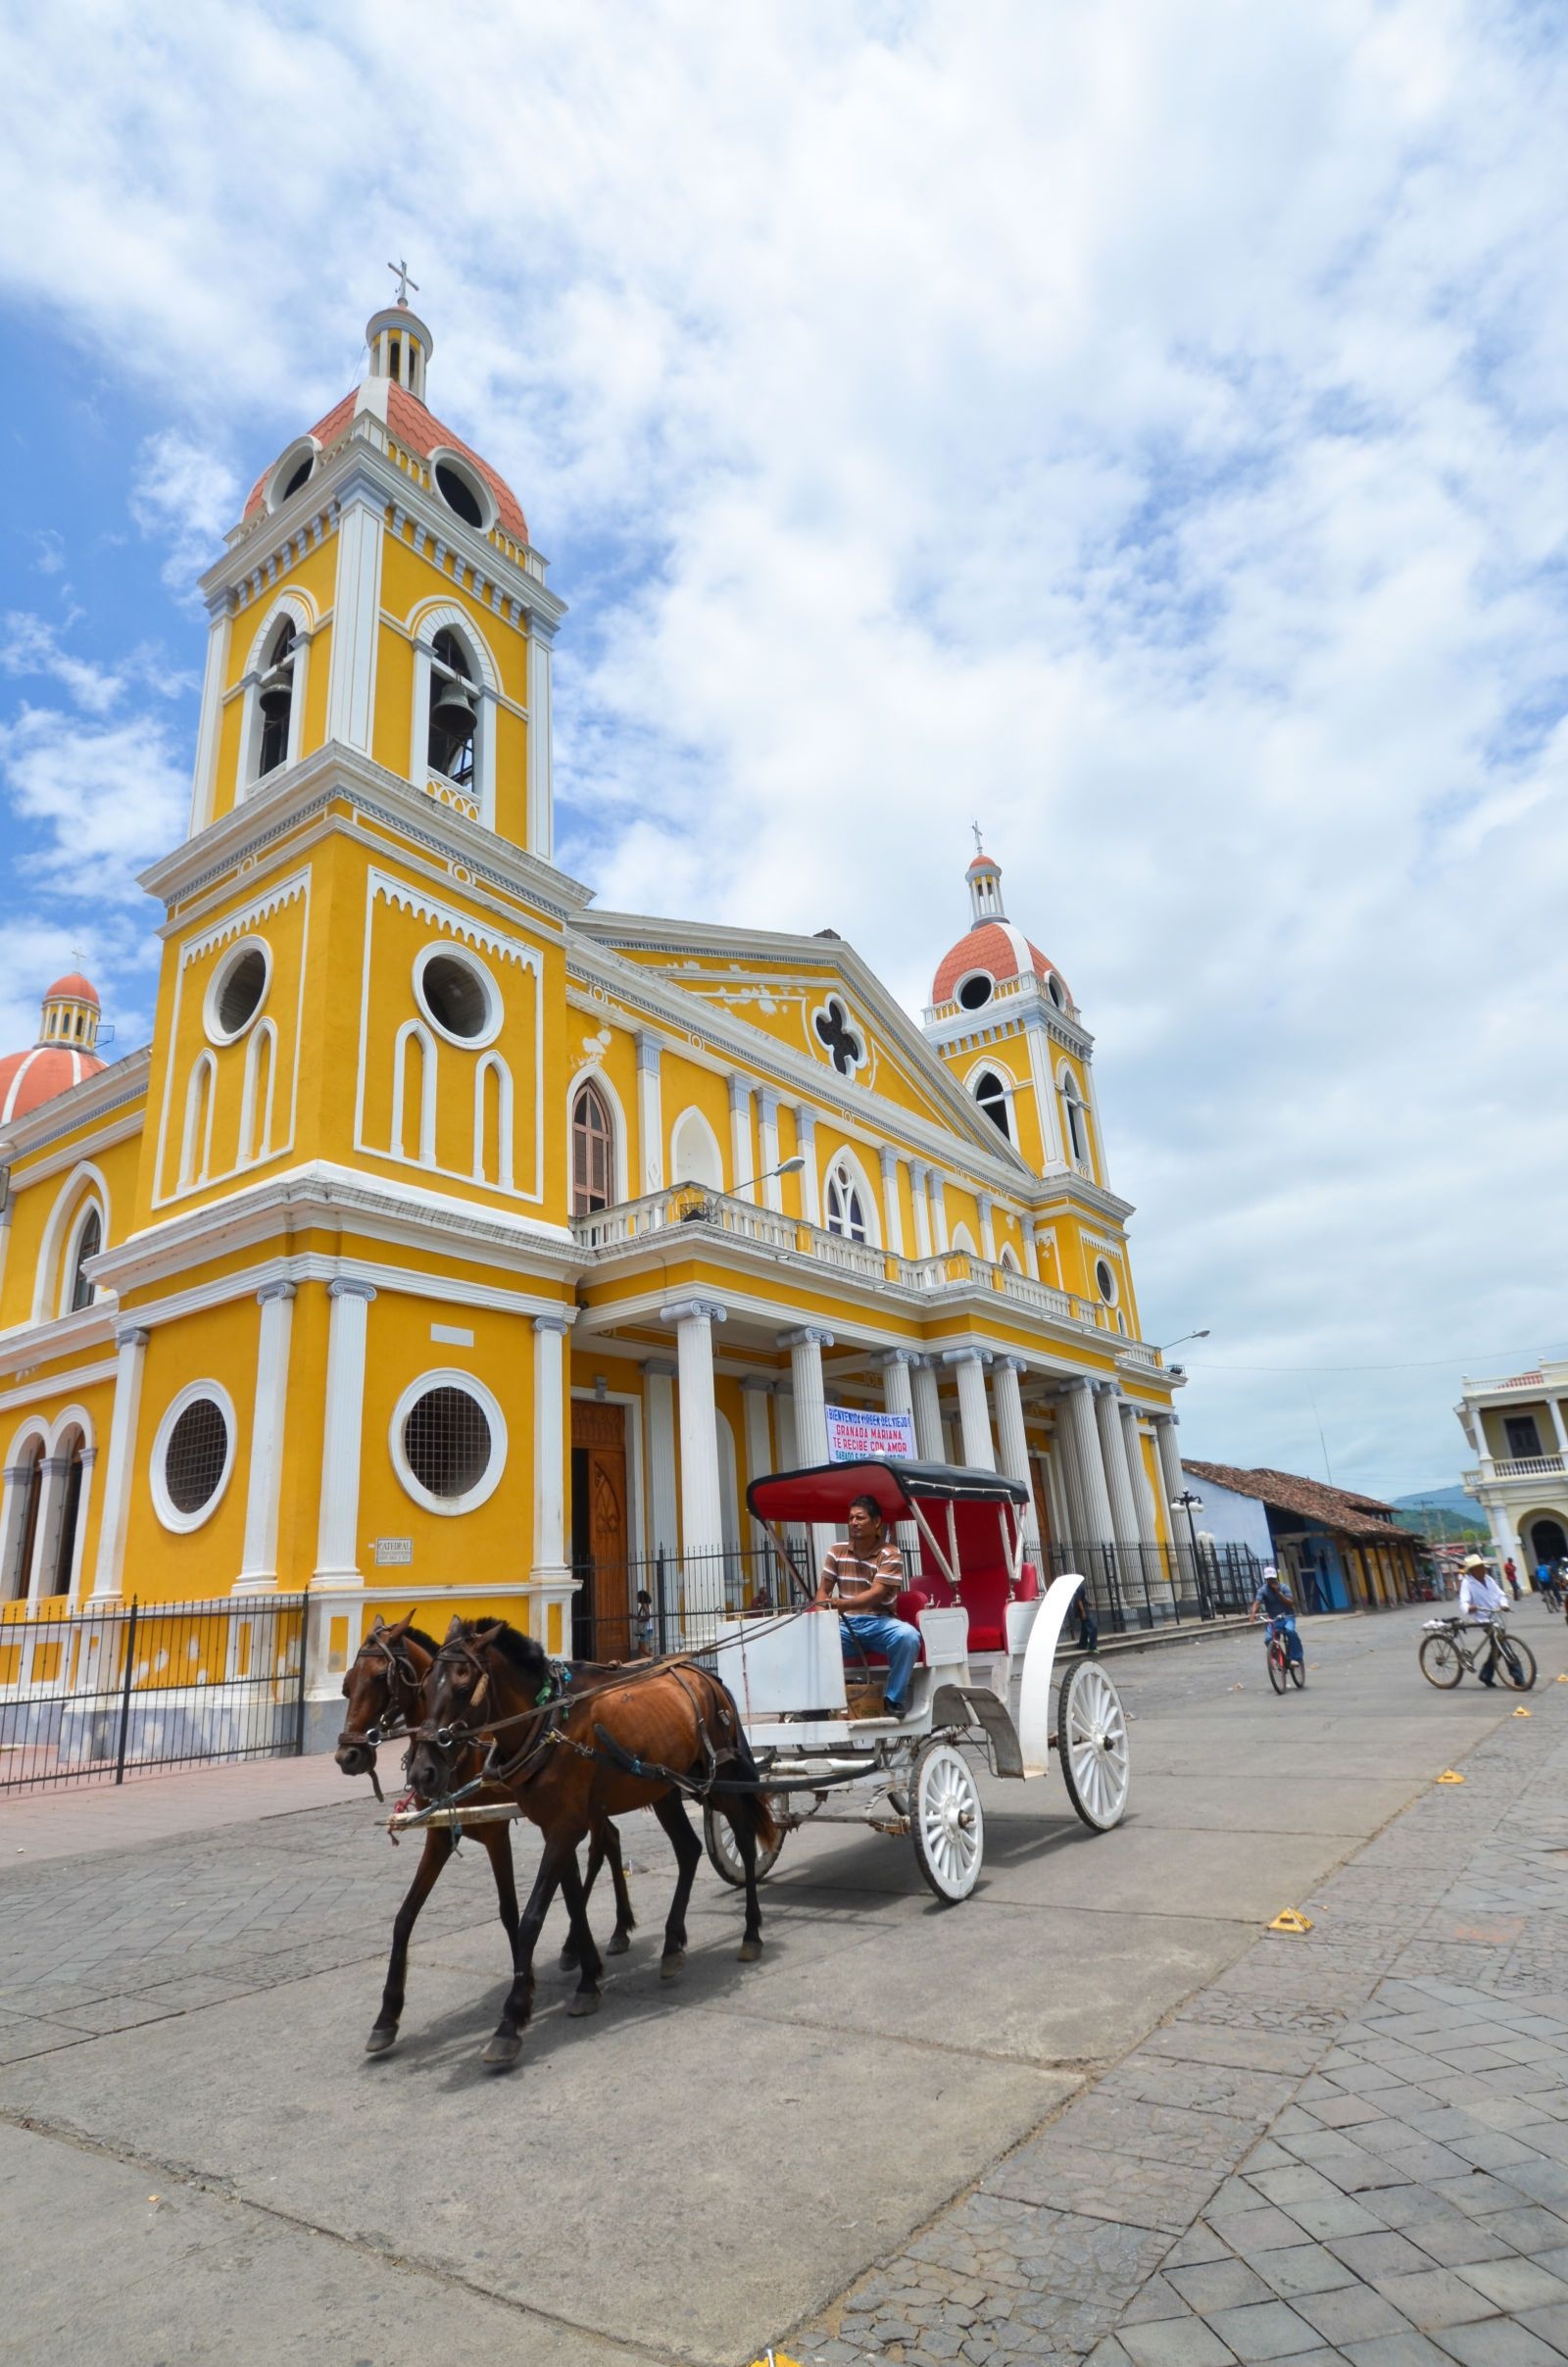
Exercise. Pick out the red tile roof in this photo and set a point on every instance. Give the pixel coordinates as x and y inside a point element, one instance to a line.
<point>28,1079</point>
<point>1338,1509</point>
<point>422,433</point>
<point>995,946</point>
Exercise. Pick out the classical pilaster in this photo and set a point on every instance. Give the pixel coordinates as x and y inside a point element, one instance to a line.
<point>701,1502</point>
<point>550,1581</point>
<point>919,1190</point>
<point>986,1209</point>
<point>659,1376</point>
<point>208,728</point>
<point>744,1163</point>
<point>974,1414</point>
<point>892,1202</point>
<point>1031,1246</point>
<point>768,1147</point>
<point>130,1355</point>
<point>939,1211</point>
<point>540,788</point>
<point>927,1394</point>
<point>259,1559</point>
<point>810,1184</point>
<point>337,1531</point>
<point>356,619</point>
<point>650,1112</point>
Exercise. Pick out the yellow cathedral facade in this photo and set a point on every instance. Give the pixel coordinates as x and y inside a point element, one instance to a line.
<point>454,1243</point>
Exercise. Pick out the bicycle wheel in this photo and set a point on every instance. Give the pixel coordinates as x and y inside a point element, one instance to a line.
<point>1276,1674</point>
<point>1297,1670</point>
<point>1517,1664</point>
<point>1441,1663</point>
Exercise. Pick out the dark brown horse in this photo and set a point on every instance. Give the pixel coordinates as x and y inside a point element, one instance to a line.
<point>384,1693</point>
<point>629,1741</point>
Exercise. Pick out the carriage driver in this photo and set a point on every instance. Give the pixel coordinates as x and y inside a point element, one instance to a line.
<point>866,1573</point>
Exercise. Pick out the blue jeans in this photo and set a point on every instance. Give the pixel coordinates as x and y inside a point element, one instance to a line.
<point>874,1631</point>
<point>1286,1629</point>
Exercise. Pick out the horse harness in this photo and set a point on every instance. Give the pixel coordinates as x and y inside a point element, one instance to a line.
<point>401,1674</point>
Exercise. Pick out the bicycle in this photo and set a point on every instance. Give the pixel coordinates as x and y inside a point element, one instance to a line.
<point>1282,1669</point>
<point>1446,1654</point>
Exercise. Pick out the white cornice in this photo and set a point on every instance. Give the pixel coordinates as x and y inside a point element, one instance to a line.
<point>307,789</point>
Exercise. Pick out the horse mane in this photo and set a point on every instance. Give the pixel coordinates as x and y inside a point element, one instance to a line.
<point>527,1656</point>
<point>416,1635</point>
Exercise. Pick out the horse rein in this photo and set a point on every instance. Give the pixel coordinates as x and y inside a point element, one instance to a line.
<point>374,1737</point>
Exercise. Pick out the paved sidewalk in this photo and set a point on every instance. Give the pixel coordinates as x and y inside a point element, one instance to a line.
<point>1352,2146</point>
<point>75,1820</point>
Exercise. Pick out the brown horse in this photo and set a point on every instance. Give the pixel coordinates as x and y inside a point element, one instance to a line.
<point>628,1742</point>
<point>384,1693</point>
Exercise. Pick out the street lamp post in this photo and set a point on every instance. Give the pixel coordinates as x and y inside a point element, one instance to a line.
<point>1191,1503</point>
<point>1166,1344</point>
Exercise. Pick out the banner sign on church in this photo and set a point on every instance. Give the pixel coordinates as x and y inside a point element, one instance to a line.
<point>856,1437</point>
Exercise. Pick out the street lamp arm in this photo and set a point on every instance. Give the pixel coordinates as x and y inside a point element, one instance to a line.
<point>786,1167</point>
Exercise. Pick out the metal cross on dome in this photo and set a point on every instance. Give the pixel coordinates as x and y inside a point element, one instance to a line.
<point>401,270</point>
<point>839,1036</point>
<point>979,848</point>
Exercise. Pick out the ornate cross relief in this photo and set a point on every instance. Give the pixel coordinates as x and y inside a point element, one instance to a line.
<point>838,1038</point>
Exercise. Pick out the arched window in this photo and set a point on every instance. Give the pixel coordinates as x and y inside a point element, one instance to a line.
<point>593,1151</point>
<point>1072,1104</point>
<point>414,1084</point>
<point>57,1581</point>
<point>256,1101</point>
<point>492,1121</point>
<point>454,711</point>
<point>196,1149</point>
<point>991,1092</point>
<point>275,699</point>
<point>24,1529</point>
<point>89,1241</point>
<point>844,1204</point>
<point>695,1155</point>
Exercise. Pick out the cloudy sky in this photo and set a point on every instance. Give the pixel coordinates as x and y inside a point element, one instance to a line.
<point>1138,426</point>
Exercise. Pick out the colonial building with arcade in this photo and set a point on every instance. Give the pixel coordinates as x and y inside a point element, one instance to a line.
<point>456,1243</point>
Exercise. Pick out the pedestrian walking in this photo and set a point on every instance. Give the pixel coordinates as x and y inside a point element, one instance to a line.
<point>1512,1576</point>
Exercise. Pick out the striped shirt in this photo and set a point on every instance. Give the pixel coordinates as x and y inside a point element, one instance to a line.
<point>850,1574</point>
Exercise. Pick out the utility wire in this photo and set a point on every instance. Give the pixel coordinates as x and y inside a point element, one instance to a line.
<point>1422,1364</point>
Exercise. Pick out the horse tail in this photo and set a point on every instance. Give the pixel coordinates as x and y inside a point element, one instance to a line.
<point>750,1810</point>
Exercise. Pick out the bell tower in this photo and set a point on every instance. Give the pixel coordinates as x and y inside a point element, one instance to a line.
<point>381,593</point>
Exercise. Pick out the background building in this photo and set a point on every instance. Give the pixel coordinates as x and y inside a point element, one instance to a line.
<point>1338,1550</point>
<point>1517,1430</point>
<point>454,1243</point>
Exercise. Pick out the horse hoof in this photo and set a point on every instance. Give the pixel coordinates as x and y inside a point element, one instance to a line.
<point>585,2003</point>
<point>382,2039</point>
<point>671,1967</point>
<point>751,1953</point>
<point>618,1945</point>
<point>504,2049</point>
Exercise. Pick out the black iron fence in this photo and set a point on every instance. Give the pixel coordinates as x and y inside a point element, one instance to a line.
<point>663,1604</point>
<point>92,1695</point>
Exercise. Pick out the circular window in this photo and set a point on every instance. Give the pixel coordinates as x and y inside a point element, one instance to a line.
<point>1105,1281</point>
<point>458,994</point>
<point>463,492</point>
<point>1054,989</point>
<point>975,991</point>
<point>449,1442</point>
<point>193,1455</point>
<point>293,472</point>
<point>238,989</point>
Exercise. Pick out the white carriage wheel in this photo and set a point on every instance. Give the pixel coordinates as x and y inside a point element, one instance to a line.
<point>948,1826</point>
<point>1092,1743</point>
<point>723,1855</point>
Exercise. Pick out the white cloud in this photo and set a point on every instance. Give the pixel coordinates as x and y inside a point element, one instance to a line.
<point>100,801</point>
<point>1138,426</point>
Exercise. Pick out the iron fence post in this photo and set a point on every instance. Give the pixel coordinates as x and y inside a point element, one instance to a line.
<point>299,1691</point>
<point>125,1693</point>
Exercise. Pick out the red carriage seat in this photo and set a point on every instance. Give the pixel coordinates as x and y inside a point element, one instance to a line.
<point>984,1597</point>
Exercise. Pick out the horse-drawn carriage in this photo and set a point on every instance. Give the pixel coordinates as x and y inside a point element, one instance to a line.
<point>811,1711</point>
<point>758,1721</point>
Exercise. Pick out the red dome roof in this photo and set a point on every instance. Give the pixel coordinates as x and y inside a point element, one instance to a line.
<point>421,432</point>
<point>28,1079</point>
<point>998,949</point>
<point>73,988</point>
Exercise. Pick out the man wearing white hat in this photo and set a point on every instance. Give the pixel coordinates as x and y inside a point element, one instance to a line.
<point>1481,1600</point>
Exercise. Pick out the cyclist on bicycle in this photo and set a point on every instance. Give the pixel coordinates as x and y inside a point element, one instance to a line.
<point>1481,1600</point>
<point>1271,1599</point>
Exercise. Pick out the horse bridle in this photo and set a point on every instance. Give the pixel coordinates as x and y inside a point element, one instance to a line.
<point>401,1674</point>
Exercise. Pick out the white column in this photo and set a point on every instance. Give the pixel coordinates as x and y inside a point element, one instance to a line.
<point>540,791</point>
<point>939,1212</point>
<point>1172,1478</point>
<point>974,1414</point>
<point>789,1450</point>
<point>337,1532</point>
<point>356,619</point>
<point>1068,1469</point>
<point>702,1503</point>
<point>892,1202</point>
<point>90,1458</point>
<point>767,1147</point>
<point>550,1563</point>
<point>1077,1396</point>
<point>927,1396</point>
<point>805,1348</point>
<point>13,1512</point>
<point>919,1180</point>
<point>811,1186</point>
<point>898,1391</point>
<point>664,1527</point>
<point>1011,1436</point>
<point>1506,1542</point>
<point>1137,1471</point>
<point>259,1562</point>
<point>650,1112</point>
<point>988,1227</point>
<point>1554,1409</point>
<point>131,1354</point>
<point>1113,1454</point>
<point>1055,1499</point>
<point>210,728</point>
<point>743,1159</point>
<point>754,1396</point>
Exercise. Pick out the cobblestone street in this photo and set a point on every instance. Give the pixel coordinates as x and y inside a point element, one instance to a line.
<point>1095,2114</point>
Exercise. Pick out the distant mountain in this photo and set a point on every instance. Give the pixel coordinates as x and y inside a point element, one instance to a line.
<point>1443,1512</point>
